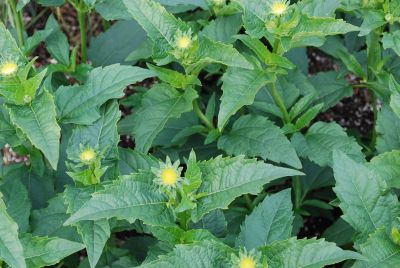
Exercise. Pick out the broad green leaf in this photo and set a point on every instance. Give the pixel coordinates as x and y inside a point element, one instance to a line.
<point>47,251</point>
<point>373,18</point>
<point>322,139</point>
<point>38,122</point>
<point>115,44</point>
<point>8,134</point>
<point>366,203</point>
<point>387,166</point>
<point>206,254</point>
<point>10,246</point>
<point>388,130</point>
<point>160,25</point>
<point>94,235</point>
<point>270,221</point>
<point>224,179</point>
<point>128,199</point>
<point>16,198</point>
<point>380,251</point>
<point>310,253</point>
<point>255,14</point>
<point>102,133</point>
<point>240,87</point>
<point>8,46</point>
<point>80,104</point>
<point>57,43</point>
<point>33,41</point>
<point>131,161</point>
<point>159,104</point>
<point>340,232</point>
<point>215,222</point>
<point>49,221</point>
<point>257,136</point>
<point>392,40</point>
<point>175,235</point>
<point>395,103</point>
<point>223,28</point>
<point>174,78</point>
<point>21,4</point>
<point>319,8</point>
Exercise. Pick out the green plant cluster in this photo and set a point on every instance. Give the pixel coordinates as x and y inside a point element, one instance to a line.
<point>229,162</point>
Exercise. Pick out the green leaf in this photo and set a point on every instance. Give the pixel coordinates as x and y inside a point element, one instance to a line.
<point>115,44</point>
<point>319,8</point>
<point>174,78</point>
<point>223,28</point>
<point>8,45</point>
<point>254,136</point>
<point>57,43</point>
<point>21,4</point>
<point>392,40</point>
<point>46,251</point>
<point>388,130</point>
<point>94,235</point>
<point>38,122</point>
<point>17,201</point>
<point>365,204</point>
<point>131,161</point>
<point>310,253</point>
<point>160,25</point>
<point>80,104</point>
<point>102,133</point>
<point>224,179</point>
<point>255,14</point>
<point>206,254</point>
<point>128,199</point>
<point>322,139</point>
<point>159,104</point>
<point>340,232</point>
<point>240,87</point>
<point>387,166</point>
<point>270,221</point>
<point>10,246</point>
<point>380,251</point>
<point>373,18</point>
<point>33,41</point>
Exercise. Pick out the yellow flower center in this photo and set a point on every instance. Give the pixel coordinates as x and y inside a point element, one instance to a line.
<point>87,155</point>
<point>278,8</point>
<point>247,262</point>
<point>169,176</point>
<point>183,42</point>
<point>9,68</point>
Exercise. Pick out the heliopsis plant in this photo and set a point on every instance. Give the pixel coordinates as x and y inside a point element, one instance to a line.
<point>206,133</point>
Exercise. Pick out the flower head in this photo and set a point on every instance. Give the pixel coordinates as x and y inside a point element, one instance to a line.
<point>168,175</point>
<point>279,7</point>
<point>87,155</point>
<point>183,40</point>
<point>250,259</point>
<point>8,68</point>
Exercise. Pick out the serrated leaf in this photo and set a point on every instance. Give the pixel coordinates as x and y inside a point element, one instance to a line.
<point>240,87</point>
<point>8,45</point>
<point>131,161</point>
<point>206,254</point>
<point>257,136</point>
<point>380,251</point>
<point>387,166</point>
<point>224,179</point>
<point>57,43</point>
<point>365,204</point>
<point>270,221</point>
<point>322,139</point>
<point>10,246</point>
<point>161,103</point>
<point>46,251</point>
<point>388,130</point>
<point>340,232</point>
<point>223,28</point>
<point>373,18</point>
<point>38,122</point>
<point>80,104</point>
<point>310,253</point>
<point>392,40</point>
<point>102,133</point>
<point>127,199</point>
<point>319,8</point>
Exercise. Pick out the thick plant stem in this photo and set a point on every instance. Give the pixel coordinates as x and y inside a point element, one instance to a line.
<point>18,21</point>
<point>201,115</point>
<point>279,102</point>
<point>297,192</point>
<point>82,29</point>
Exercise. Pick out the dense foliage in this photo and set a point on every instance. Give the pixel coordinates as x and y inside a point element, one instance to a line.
<point>230,161</point>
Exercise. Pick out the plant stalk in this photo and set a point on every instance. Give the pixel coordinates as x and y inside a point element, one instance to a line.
<point>82,28</point>
<point>278,101</point>
<point>201,115</point>
<point>297,192</point>
<point>18,22</point>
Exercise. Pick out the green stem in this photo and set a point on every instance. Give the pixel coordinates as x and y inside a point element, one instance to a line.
<point>201,115</point>
<point>82,28</point>
<point>249,202</point>
<point>278,101</point>
<point>18,22</point>
<point>375,111</point>
<point>297,192</point>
